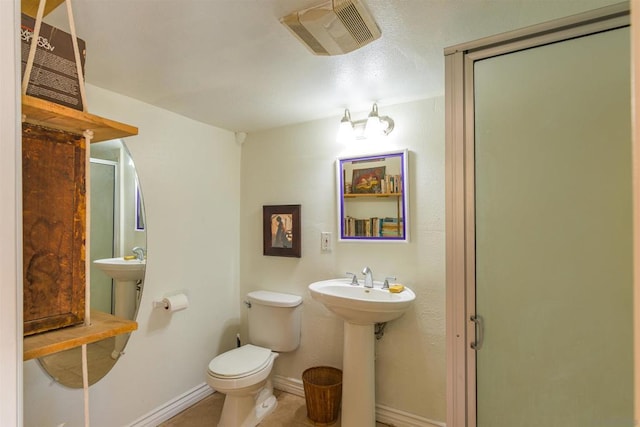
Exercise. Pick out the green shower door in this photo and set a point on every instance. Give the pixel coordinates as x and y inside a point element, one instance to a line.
<point>553,235</point>
<point>103,217</point>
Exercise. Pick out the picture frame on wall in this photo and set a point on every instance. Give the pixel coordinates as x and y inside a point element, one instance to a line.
<point>367,181</point>
<point>281,230</point>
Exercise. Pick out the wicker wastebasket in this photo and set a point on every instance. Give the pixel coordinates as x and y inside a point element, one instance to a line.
<point>323,394</point>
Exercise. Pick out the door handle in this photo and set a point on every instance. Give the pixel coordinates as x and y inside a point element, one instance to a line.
<point>479,331</point>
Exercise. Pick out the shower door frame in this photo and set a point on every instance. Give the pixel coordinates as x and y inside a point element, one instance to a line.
<point>460,184</point>
<point>116,215</point>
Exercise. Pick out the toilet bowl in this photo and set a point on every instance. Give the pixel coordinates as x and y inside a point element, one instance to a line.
<point>243,374</point>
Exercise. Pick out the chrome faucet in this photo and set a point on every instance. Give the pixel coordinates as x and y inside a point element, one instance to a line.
<point>368,277</point>
<point>139,253</point>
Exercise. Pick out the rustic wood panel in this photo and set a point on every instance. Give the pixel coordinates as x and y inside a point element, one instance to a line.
<point>54,219</point>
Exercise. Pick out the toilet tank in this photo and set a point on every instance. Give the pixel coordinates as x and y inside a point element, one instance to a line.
<point>274,320</point>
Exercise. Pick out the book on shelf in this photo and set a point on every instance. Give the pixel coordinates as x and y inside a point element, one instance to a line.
<point>373,227</point>
<point>391,227</point>
<point>391,184</point>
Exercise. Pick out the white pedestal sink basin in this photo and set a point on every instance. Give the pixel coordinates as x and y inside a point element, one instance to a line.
<point>360,305</point>
<point>360,308</point>
<point>122,269</point>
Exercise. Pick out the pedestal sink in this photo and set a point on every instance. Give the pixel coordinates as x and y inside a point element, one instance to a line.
<point>360,308</point>
<point>126,274</point>
<point>122,269</point>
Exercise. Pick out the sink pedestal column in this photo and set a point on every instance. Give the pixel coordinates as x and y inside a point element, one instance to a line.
<point>358,376</point>
<point>125,307</point>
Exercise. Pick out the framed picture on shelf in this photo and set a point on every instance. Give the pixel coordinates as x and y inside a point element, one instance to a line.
<point>367,180</point>
<point>281,230</point>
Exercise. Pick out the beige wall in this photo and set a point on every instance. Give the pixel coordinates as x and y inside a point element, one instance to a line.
<point>296,165</point>
<point>189,174</point>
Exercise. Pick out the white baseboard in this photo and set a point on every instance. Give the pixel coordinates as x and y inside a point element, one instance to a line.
<point>289,385</point>
<point>173,407</point>
<point>395,417</point>
<point>384,414</point>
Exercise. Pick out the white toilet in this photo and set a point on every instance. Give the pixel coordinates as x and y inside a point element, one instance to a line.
<point>243,373</point>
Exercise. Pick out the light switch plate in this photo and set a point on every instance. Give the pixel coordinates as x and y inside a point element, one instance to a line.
<point>325,241</point>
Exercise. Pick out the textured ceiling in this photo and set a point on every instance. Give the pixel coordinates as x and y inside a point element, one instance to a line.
<point>231,64</point>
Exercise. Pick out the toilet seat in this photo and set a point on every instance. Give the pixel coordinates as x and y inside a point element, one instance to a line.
<point>240,362</point>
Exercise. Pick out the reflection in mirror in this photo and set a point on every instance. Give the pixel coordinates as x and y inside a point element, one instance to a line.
<point>118,259</point>
<point>373,197</point>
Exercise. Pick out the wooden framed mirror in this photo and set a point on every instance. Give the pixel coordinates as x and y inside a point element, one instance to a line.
<point>373,197</point>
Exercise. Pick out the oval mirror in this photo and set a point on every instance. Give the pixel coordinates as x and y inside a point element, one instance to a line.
<point>118,247</point>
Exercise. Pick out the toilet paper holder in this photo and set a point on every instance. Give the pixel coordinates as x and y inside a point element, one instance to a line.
<point>173,302</point>
<point>161,303</point>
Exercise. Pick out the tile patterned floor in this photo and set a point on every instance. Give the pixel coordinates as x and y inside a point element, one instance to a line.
<point>290,412</point>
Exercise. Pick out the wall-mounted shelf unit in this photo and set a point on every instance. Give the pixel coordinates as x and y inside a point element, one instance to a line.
<point>373,197</point>
<point>30,7</point>
<point>102,326</point>
<point>369,196</point>
<point>57,117</point>
<point>54,116</point>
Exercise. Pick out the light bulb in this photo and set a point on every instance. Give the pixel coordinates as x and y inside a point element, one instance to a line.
<point>373,127</point>
<point>345,131</point>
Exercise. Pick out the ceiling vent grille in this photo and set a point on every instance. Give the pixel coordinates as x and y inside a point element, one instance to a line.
<point>354,23</point>
<point>333,28</point>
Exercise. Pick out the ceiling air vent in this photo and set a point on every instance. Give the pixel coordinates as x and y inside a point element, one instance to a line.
<point>334,27</point>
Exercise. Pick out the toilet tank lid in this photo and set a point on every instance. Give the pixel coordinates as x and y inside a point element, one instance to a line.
<point>274,299</point>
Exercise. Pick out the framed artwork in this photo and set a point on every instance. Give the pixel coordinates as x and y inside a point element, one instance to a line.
<point>281,230</point>
<point>367,180</point>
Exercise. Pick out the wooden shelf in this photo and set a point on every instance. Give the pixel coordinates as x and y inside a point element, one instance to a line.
<point>102,326</point>
<point>30,7</point>
<point>55,116</point>
<point>364,195</point>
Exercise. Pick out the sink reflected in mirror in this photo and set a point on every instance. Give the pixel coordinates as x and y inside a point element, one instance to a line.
<point>117,230</point>
<point>121,268</point>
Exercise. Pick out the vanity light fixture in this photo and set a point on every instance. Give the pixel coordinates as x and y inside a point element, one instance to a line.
<point>373,126</point>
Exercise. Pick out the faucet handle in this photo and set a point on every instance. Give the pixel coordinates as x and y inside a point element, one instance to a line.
<point>354,278</point>
<point>140,253</point>
<point>386,282</point>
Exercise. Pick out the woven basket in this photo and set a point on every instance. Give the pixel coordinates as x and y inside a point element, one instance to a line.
<point>323,394</point>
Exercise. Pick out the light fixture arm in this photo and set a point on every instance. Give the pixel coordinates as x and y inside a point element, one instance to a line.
<point>374,111</point>
<point>385,119</point>
<point>346,117</point>
<point>357,129</point>
<point>390,124</point>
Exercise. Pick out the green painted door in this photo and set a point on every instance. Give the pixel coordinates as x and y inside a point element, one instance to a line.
<point>553,235</point>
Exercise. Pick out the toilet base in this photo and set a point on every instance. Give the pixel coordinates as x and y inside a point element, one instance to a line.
<point>248,410</point>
